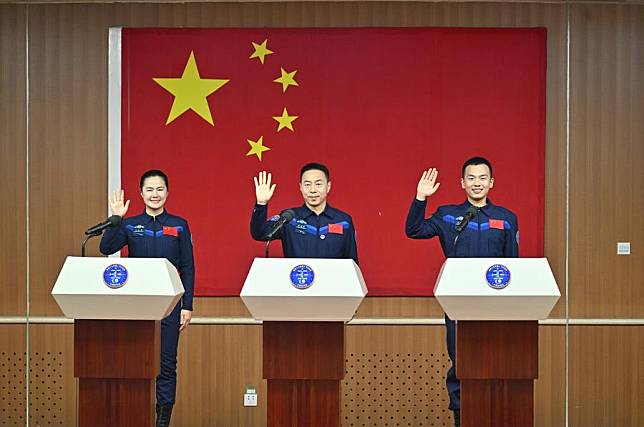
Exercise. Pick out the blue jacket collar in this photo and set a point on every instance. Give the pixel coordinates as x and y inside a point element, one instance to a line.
<point>161,218</point>
<point>484,209</point>
<point>328,211</point>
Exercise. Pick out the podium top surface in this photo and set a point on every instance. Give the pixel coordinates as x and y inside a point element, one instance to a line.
<point>328,277</point>
<point>303,289</point>
<point>472,276</point>
<point>117,288</point>
<point>496,288</point>
<point>130,276</point>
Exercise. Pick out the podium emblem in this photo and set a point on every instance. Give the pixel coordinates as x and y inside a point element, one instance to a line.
<point>498,276</point>
<point>115,276</point>
<point>302,276</point>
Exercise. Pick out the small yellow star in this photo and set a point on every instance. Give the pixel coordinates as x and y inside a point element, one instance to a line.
<point>190,91</point>
<point>286,79</point>
<point>257,147</point>
<point>285,121</point>
<point>260,51</point>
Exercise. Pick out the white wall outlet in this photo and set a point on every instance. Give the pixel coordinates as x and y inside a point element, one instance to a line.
<point>250,397</point>
<point>623,248</point>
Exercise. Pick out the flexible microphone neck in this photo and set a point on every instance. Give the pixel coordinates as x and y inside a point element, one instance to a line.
<point>472,211</point>
<point>285,217</point>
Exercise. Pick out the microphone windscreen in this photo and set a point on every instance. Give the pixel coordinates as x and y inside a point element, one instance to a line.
<point>114,220</point>
<point>288,214</point>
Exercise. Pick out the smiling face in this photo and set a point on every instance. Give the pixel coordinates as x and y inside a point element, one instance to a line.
<point>315,188</point>
<point>477,183</point>
<point>154,193</point>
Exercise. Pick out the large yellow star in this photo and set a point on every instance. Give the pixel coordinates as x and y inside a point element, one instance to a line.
<point>260,51</point>
<point>286,79</point>
<point>190,91</point>
<point>257,147</point>
<point>285,121</point>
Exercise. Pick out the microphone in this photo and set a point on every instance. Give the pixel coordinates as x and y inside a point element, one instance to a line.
<point>471,213</point>
<point>286,216</point>
<point>98,228</point>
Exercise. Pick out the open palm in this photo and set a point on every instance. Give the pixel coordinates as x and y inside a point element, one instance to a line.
<point>263,188</point>
<point>427,184</point>
<point>116,203</point>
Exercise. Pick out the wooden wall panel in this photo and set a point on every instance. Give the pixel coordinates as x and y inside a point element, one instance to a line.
<point>216,363</point>
<point>53,388</point>
<point>13,391</point>
<point>606,376</point>
<point>555,192</point>
<point>550,389</point>
<point>399,371</point>
<point>220,307</point>
<point>68,138</point>
<point>395,376</point>
<point>400,307</point>
<point>607,159</point>
<point>12,160</point>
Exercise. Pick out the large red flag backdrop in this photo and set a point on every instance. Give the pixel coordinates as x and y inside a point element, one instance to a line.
<point>213,107</point>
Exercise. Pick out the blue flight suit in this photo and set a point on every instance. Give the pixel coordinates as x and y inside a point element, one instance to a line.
<point>308,235</point>
<point>492,232</point>
<point>164,236</point>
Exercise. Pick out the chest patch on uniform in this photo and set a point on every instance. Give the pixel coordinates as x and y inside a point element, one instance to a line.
<point>171,231</point>
<point>336,229</point>
<point>497,223</point>
<point>138,230</point>
<point>302,227</point>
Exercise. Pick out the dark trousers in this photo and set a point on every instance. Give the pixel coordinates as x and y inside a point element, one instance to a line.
<point>167,378</point>
<point>453,383</point>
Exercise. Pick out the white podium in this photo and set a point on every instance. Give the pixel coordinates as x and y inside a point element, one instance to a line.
<point>117,303</point>
<point>304,303</point>
<point>150,292</point>
<point>334,295</point>
<point>464,293</point>
<point>496,303</point>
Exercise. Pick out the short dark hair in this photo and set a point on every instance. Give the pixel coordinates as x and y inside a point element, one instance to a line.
<point>476,161</point>
<point>317,167</point>
<point>151,173</point>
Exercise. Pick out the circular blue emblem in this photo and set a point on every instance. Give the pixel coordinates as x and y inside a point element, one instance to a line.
<point>302,276</point>
<point>498,276</point>
<point>115,276</point>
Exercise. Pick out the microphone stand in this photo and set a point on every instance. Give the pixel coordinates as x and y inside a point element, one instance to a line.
<point>458,234</point>
<point>270,239</point>
<point>268,242</point>
<point>285,217</point>
<point>455,242</point>
<point>89,236</point>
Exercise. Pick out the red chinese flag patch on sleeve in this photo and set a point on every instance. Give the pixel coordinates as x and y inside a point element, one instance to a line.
<point>170,231</point>
<point>496,223</point>
<point>336,229</point>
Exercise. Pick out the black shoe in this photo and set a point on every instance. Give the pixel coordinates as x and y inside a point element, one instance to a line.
<point>164,412</point>
<point>457,418</point>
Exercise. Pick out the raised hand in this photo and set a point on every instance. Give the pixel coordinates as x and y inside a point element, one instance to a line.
<point>263,188</point>
<point>427,184</point>
<point>116,203</point>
